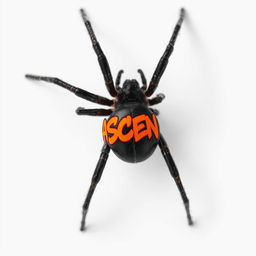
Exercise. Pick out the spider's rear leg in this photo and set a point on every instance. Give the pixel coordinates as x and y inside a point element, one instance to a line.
<point>95,179</point>
<point>175,174</point>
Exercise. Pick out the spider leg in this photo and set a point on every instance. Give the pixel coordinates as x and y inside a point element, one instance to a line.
<point>77,91</point>
<point>175,174</point>
<point>156,100</point>
<point>164,59</point>
<point>155,111</point>
<point>94,112</point>
<point>101,57</point>
<point>95,179</point>
<point>143,80</point>
<point>118,79</point>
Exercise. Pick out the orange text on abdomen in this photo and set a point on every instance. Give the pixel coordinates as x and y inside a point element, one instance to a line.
<point>138,127</point>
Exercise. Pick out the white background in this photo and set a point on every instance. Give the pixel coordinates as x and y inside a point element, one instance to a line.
<point>48,153</point>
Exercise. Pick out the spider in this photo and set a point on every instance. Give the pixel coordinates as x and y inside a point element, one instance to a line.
<point>131,130</point>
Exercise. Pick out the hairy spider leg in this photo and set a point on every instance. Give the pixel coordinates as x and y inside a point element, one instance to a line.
<point>95,179</point>
<point>118,79</point>
<point>143,80</point>
<point>164,59</point>
<point>175,174</point>
<point>101,57</point>
<point>77,91</point>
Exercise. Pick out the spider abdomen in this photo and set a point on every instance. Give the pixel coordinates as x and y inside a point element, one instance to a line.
<point>132,132</point>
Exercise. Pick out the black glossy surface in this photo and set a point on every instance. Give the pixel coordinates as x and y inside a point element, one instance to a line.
<point>132,151</point>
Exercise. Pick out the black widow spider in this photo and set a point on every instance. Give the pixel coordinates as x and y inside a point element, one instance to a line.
<point>131,130</point>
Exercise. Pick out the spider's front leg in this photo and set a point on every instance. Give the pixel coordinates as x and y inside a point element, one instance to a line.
<point>162,64</point>
<point>175,174</point>
<point>95,179</point>
<point>103,62</point>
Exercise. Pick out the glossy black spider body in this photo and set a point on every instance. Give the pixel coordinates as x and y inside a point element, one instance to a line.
<point>131,130</point>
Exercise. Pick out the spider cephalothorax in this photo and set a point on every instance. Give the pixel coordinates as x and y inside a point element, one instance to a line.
<point>131,129</point>
<point>130,92</point>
